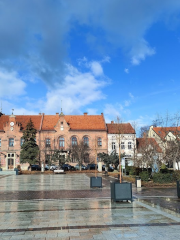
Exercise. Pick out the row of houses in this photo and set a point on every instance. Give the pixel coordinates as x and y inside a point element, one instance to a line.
<point>59,131</point>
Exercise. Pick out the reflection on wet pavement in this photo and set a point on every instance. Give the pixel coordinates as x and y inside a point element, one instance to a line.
<point>65,207</point>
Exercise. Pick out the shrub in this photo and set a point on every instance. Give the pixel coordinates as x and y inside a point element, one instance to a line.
<point>131,170</point>
<point>144,176</point>
<point>176,175</point>
<point>162,178</point>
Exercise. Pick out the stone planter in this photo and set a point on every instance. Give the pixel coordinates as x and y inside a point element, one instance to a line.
<point>121,191</point>
<point>96,182</point>
<point>178,189</point>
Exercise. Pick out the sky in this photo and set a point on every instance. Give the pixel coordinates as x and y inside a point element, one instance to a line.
<point>117,57</point>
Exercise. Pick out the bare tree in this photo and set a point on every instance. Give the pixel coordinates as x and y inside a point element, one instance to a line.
<point>149,154</point>
<point>79,151</point>
<point>168,136</point>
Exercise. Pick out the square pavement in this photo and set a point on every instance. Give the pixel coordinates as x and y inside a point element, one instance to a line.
<point>65,207</point>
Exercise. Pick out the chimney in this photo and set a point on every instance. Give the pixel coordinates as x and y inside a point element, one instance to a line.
<point>57,113</point>
<point>112,122</point>
<point>85,114</point>
<point>39,113</point>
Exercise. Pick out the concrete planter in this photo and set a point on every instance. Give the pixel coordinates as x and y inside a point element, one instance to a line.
<point>96,182</point>
<point>121,191</point>
<point>178,189</point>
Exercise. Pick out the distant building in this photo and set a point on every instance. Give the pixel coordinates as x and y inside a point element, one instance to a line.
<point>163,136</point>
<point>123,136</point>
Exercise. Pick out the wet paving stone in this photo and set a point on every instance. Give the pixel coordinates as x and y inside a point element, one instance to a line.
<point>65,207</point>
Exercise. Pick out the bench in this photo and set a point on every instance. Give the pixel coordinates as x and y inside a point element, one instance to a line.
<point>59,171</point>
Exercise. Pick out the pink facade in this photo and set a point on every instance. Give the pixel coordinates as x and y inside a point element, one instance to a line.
<point>53,132</point>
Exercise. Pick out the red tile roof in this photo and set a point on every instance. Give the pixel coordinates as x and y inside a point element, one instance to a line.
<point>23,120</point>
<point>144,142</point>
<point>76,122</point>
<point>163,131</point>
<point>123,128</point>
<point>86,122</point>
<point>3,120</point>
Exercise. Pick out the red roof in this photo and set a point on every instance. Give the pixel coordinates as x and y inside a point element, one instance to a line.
<point>163,131</point>
<point>23,120</point>
<point>122,128</point>
<point>145,142</point>
<point>3,120</point>
<point>75,122</point>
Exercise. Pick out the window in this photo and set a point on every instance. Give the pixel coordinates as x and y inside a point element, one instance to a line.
<point>61,142</point>
<point>129,145</point>
<point>62,127</point>
<point>48,142</point>
<point>0,142</point>
<point>86,141</point>
<point>113,145</point>
<point>122,145</point>
<point>22,141</point>
<point>99,142</point>
<point>11,142</point>
<point>74,141</point>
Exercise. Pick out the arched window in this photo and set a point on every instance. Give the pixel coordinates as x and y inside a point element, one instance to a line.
<point>129,145</point>
<point>86,141</point>
<point>61,142</point>
<point>99,142</point>
<point>74,141</point>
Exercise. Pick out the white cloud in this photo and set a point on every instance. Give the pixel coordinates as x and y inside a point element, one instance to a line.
<point>96,68</point>
<point>126,70</point>
<point>131,96</point>
<point>78,90</point>
<point>11,86</point>
<point>140,51</point>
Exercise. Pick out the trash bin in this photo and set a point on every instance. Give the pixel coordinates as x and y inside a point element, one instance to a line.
<point>178,189</point>
<point>16,169</point>
<point>138,182</point>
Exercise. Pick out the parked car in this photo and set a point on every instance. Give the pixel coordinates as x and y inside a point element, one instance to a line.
<point>91,166</point>
<point>53,167</point>
<point>110,168</point>
<point>83,167</point>
<point>68,167</point>
<point>34,167</point>
<point>47,167</point>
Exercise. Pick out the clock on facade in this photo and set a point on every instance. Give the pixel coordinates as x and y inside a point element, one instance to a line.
<point>11,124</point>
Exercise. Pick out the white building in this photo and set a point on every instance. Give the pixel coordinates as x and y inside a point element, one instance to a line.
<point>122,136</point>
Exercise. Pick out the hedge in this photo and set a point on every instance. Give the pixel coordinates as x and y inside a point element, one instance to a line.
<point>162,178</point>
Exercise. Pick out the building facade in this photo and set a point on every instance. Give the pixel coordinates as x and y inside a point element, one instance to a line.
<point>53,132</point>
<point>122,137</point>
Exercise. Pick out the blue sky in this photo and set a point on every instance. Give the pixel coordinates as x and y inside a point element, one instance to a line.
<point>121,58</point>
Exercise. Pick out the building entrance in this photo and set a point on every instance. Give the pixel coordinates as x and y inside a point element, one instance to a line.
<point>10,161</point>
